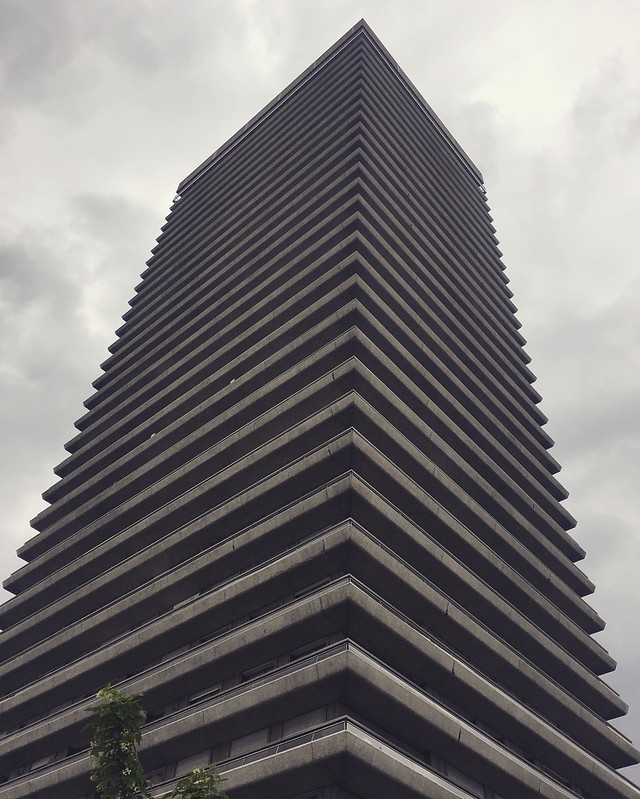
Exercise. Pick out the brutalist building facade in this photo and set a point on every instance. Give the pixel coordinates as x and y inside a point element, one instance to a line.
<point>310,510</point>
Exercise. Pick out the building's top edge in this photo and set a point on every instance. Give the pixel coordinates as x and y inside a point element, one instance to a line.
<point>358,29</point>
<point>431,114</point>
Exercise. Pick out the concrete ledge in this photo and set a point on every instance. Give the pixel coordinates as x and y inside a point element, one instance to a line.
<point>377,626</point>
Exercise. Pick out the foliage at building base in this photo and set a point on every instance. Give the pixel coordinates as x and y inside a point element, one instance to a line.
<point>117,723</point>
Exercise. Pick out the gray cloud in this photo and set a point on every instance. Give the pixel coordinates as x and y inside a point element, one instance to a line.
<point>35,46</point>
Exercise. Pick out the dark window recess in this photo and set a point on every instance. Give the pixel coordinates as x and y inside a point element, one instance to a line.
<point>309,589</point>
<point>219,631</point>
<point>157,776</point>
<point>255,614</point>
<point>204,695</point>
<point>251,674</point>
<point>303,651</point>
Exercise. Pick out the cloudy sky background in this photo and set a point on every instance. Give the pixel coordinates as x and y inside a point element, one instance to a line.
<point>107,104</point>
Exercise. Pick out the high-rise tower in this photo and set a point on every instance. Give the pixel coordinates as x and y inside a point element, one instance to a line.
<point>310,511</point>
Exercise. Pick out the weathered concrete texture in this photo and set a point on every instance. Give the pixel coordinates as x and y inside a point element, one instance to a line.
<point>310,511</point>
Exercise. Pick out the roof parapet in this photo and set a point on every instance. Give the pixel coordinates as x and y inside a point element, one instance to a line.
<point>361,28</point>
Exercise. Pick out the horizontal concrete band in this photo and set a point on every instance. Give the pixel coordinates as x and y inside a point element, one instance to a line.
<point>385,136</point>
<point>151,320</point>
<point>80,458</point>
<point>134,650</point>
<point>288,266</point>
<point>371,692</point>
<point>161,593</point>
<point>376,514</point>
<point>216,232</point>
<point>238,163</point>
<point>320,427</point>
<point>471,343</point>
<point>350,411</point>
<point>368,303</point>
<point>13,581</point>
<point>365,320</point>
<point>460,584</point>
<point>356,136</point>
<point>270,328</point>
<point>334,384</point>
<point>285,770</point>
<point>530,408</point>
<point>322,65</point>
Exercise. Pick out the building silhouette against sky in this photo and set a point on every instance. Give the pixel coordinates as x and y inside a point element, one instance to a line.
<point>310,510</point>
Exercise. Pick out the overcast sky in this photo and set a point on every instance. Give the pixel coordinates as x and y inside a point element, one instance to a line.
<point>107,104</point>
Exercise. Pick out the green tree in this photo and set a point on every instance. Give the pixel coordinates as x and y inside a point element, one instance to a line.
<point>118,774</point>
<point>116,723</point>
<point>200,784</point>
